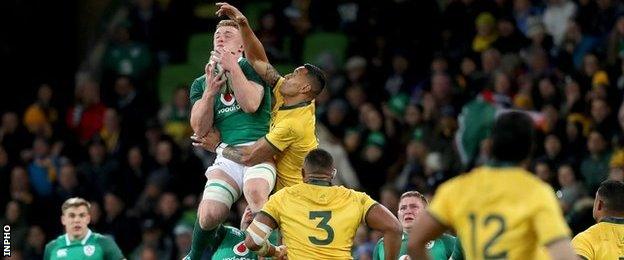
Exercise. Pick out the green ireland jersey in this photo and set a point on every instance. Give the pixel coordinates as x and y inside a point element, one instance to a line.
<point>233,247</point>
<point>92,246</point>
<point>444,248</point>
<point>236,126</point>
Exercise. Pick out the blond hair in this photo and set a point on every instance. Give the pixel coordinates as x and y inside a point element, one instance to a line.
<point>75,202</point>
<point>415,194</point>
<point>228,23</point>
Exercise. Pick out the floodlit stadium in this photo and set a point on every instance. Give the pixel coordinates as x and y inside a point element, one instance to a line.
<point>301,129</point>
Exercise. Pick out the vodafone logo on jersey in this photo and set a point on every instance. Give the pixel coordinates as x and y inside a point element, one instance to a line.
<point>228,99</point>
<point>240,249</point>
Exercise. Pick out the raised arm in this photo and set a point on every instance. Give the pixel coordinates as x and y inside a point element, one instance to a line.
<point>202,113</point>
<point>381,219</point>
<point>254,50</point>
<point>248,93</point>
<point>428,229</point>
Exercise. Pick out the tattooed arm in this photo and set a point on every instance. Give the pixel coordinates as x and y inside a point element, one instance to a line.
<point>259,152</point>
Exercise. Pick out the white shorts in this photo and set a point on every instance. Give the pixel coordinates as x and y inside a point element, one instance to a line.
<point>235,170</point>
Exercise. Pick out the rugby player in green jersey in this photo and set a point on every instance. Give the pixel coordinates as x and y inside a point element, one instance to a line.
<point>79,242</point>
<point>233,99</point>
<point>411,204</point>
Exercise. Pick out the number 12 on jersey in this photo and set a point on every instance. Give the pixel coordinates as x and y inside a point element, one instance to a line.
<point>478,224</point>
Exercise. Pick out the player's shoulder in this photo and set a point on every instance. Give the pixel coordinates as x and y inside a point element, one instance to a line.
<point>447,239</point>
<point>55,242</point>
<point>101,238</point>
<point>589,232</point>
<point>201,78</point>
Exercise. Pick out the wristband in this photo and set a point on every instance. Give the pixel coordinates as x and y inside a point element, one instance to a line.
<point>220,148</point>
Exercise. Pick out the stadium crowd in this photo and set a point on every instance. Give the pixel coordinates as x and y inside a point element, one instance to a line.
<point>410,108</point>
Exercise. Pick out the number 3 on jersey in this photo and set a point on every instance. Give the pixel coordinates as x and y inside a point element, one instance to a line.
<point>325,216</point>
<point>500,225</point>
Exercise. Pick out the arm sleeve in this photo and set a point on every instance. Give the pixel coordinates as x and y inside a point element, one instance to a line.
<point>196,92</point>
<point>281,135</point>
<point>249,72</point>
<point>378,251</point>
<point>111,250</point>
<point>548,220</point>
<point>582,246</point>
<point>366,203</point>
<point>441,205</point>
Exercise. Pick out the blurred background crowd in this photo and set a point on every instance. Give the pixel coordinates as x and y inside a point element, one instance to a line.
<point>95,103</point>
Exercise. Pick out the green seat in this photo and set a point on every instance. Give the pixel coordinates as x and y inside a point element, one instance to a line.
<point>253,12</point>
<point>320,42</point>
<point>173,76</point>
<point>199,48</point>
<point>285,68</point>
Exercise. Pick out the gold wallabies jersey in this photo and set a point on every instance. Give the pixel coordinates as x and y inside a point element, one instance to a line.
<point>604,240</point>
<point>318,221</point>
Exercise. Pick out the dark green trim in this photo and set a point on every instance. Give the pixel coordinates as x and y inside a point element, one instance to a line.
<point>319,182</point>
<point>582,257</point>
<point>556,239</point>
<point>501,164</point>
<point>274,147</point>
<point>268,169</point>
<point>269,215</point>
<point>614,220</point>
<point>298,105</point>
<point>367,211</point>
<point>223,187</point>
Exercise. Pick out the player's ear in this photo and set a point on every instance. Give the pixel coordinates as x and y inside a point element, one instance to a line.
<point>600,204</point>
<point>306,88</point>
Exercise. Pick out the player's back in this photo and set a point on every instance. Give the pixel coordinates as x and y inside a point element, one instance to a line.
<point>500,212</point>
<point>604,240</point>
<point>318,222</point>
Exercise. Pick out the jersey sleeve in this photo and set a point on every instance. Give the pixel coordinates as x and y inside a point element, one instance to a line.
<point>366,203</point>
<point>378,252</point>
<point>197,90</point>
<point>47,253</point>
<point>441,205</point>
<point>582,246</point>
<point>548,219</point>
<point>249,71</point>
<point>111,250</point>
<point>281,135</point>
<point>271,207</point>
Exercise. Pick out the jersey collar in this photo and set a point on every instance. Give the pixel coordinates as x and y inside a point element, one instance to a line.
<point>302,104</point>
<point>614,220</point>
<point>83,241</point>
<point>319,182</point>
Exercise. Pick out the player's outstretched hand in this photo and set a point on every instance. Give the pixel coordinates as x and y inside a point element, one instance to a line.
<point>213,82</point>
<point>231,12</point>
<point>282,252</point>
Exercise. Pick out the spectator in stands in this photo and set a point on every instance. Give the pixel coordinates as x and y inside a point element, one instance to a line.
<point>68,185</point>
<point>13,136</point>
<point>43,168</point>
<point>125,56</point>
<point>35,243</point>
<point>571,189</point>
<point>595,166</point>
<point>15,218</point>
<point>175,117</point>
<point>124,229</point>
<point>40,117</point>
<point>154,237</point>
<point>86,117</point>
<point>98,172</point>
<point>556,16</point>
